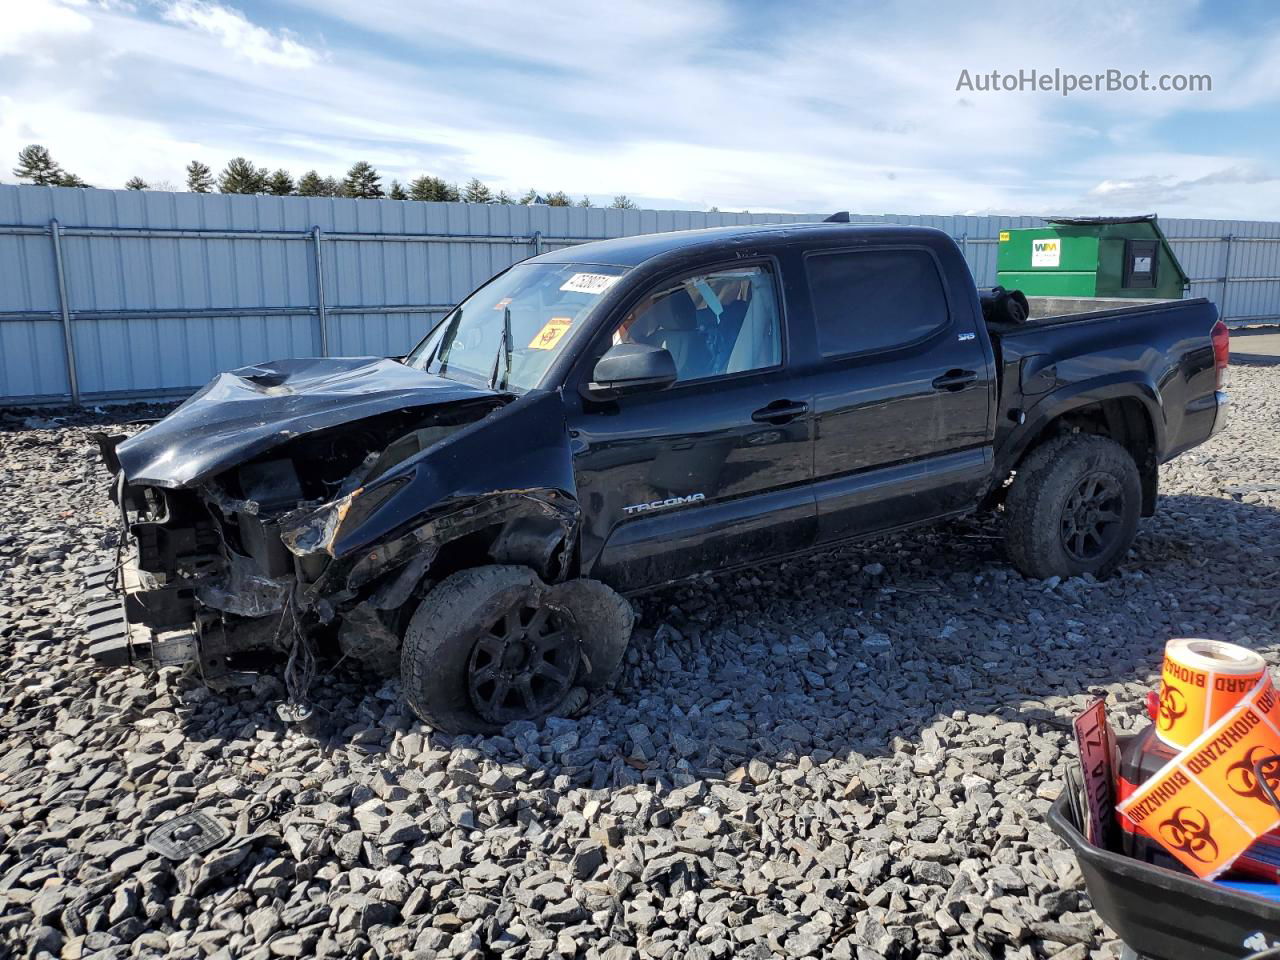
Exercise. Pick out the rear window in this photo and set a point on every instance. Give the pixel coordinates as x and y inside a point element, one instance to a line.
<point>875,299</point>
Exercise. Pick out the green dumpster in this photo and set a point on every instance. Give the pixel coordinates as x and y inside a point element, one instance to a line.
<point>1126,257</point>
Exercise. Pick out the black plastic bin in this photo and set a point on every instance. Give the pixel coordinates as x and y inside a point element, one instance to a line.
<point>1166,915</point>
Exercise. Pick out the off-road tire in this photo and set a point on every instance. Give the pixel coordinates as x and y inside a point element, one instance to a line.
<point>441,635</point>
<point>1045,481</point>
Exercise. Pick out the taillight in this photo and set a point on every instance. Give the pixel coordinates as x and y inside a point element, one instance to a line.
<point>1221,338</point>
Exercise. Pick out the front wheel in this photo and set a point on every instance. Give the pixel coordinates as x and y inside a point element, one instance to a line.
<point>492,645</point>
<point>1073,507</point>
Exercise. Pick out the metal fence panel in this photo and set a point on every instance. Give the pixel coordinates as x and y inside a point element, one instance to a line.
<point>163,290</point>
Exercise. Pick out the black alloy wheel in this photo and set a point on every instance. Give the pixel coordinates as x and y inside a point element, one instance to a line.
<point>523,665</point>
<point>1092,517</point>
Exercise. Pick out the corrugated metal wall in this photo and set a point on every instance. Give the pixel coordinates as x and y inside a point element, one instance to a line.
<point>158,292</point>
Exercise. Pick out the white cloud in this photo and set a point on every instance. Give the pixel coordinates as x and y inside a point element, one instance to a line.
<point>678,104</point>
<point>1213,186</point>
<point>30,25</point>
<point>236,33</point>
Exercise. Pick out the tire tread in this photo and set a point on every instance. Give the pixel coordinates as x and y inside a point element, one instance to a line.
<point>1031,535</point>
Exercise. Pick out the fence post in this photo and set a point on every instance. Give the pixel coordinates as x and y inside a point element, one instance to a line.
<point>73,379</point>
<point>536,239</point>
<point>1226,281</point>
<point>317,240</point>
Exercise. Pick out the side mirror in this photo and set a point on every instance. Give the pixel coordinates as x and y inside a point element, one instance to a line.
<point>631,368</point>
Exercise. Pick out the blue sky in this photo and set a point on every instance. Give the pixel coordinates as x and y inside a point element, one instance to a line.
<point>762,106</point>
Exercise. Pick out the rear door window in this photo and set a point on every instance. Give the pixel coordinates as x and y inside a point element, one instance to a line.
<point>875,300</point>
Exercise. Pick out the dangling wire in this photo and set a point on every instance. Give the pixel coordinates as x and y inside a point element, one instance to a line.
<point>300,670</point>
<point>123,537</point>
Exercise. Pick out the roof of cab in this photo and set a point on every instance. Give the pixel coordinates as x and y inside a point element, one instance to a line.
<point>633,251</point>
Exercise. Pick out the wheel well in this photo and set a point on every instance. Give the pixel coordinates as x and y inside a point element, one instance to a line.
<point>1124,420</point>
<point>537,543</point>
<point>470,550</point>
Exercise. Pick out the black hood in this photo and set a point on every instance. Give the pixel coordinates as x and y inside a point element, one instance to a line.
<point>246,412</point>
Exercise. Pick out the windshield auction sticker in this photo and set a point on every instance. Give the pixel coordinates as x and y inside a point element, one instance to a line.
<point>1211,801</point>
<point>552,331</point>
<point>594,283</point>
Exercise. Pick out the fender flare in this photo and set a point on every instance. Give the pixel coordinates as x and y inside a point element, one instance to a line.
<point>1124,385</point>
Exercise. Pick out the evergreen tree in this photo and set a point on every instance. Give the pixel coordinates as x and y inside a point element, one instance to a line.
<point>280,184</point>
<point>584,202</point>
<point>559,199</point>
<point>476,192</point>
<point>362,181</point>
<point>423,188</point>
<point>623,202</point>
<point>330,187</point>
<point>531,197</point>
<point>310,185</point>
<point>503,197</point>
<point>241,176</point>
<point>136,183</point>
<point>199,177</point>
<point>433,188</point>
<point>397,192</point>
<point>36,164</point>
<point>71,180</point>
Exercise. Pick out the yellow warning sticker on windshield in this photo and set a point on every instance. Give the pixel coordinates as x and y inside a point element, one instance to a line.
<point>594,283</point>
<point>550,335</point>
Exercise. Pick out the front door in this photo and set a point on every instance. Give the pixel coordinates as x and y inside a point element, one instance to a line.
<point>715,470</point>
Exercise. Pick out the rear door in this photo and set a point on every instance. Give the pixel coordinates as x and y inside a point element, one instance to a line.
<point>715,470</point>
<point>902,391</point>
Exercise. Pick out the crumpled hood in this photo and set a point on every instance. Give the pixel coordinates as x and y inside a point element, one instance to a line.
<point>241,414</point>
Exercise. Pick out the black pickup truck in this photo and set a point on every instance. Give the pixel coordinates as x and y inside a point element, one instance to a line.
<point>624,414</point>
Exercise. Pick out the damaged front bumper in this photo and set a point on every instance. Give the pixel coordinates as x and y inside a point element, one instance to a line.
<point>113,638</point>
<point>329,537</point>
<point>133,619</point>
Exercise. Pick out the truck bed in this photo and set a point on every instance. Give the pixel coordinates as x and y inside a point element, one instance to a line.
<point>1044,308</point>
<point>1163,346</point>
<point>1052,311</point>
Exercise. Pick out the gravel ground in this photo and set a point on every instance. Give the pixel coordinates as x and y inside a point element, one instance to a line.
<point>845,756</point>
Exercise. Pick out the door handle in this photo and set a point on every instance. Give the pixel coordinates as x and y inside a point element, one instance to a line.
<point>954,380</point>
<point>780,411</point>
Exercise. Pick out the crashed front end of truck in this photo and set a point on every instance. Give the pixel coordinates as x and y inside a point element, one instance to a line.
<point>316,502</point>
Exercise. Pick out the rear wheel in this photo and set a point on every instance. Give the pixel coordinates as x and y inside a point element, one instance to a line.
<point>1073,507</point>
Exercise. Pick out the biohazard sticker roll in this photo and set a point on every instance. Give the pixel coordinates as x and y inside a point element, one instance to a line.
<point>1201,681</point>
<point>1215,798</point>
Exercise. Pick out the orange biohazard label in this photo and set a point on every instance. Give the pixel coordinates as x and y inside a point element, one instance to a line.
<point>550,334</point>
<point>1210,802</point>
<point>1192,700</point>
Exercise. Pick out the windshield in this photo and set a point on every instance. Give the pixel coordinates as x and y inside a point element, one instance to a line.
<point>544,305</point>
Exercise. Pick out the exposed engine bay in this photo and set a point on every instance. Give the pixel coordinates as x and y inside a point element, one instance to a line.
<point>320,536</point>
